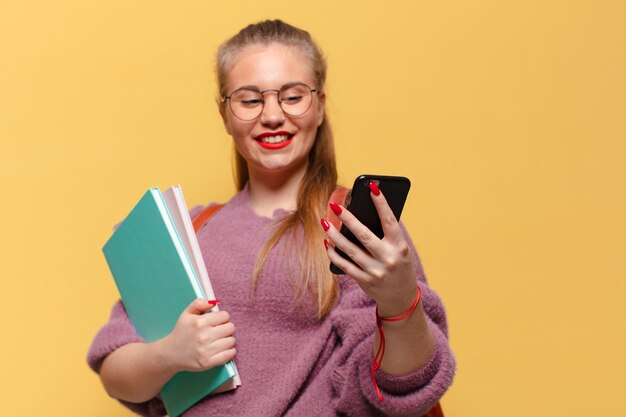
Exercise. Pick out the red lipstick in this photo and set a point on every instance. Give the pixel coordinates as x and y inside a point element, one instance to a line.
<point>266,140</point>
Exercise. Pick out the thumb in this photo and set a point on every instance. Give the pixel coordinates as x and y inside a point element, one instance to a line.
<point>199,306</point>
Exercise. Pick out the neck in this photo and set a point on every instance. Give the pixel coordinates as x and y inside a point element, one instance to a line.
<point>274,190</point>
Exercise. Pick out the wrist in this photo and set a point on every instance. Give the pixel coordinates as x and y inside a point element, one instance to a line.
<point>161,352</point>
<point>394,320</point>
<point>399,306</point>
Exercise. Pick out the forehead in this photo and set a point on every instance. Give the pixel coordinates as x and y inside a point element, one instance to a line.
<point>269,67</point>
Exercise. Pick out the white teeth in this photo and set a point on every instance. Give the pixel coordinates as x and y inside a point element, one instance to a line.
<point>274,139</point>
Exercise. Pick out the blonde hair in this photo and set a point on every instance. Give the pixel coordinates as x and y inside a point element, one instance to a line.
<point>319,180</point>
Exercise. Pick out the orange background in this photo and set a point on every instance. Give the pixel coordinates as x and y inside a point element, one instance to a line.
<point>509,117</point>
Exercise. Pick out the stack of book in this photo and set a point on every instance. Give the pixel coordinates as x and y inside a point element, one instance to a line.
<point>158,268</point>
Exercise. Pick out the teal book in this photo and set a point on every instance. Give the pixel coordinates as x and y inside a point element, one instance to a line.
<point>157,280</point>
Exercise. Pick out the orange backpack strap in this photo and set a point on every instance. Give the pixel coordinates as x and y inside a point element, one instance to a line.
<point>200,220</point>
<point>436,411</point>
<point>338,196</point>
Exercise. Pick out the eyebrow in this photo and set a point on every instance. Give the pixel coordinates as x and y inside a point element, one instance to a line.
<point>256,88</point>
<point>248,87</point>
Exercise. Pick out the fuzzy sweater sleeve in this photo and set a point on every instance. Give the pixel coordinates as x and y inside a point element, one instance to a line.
<point>409,395</point>
<point>119,331</point>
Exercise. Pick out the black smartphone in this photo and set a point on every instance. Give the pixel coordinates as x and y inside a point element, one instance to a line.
<point>359,202</point>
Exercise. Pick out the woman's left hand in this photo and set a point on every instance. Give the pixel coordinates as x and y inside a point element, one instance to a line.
<point>387,272</point>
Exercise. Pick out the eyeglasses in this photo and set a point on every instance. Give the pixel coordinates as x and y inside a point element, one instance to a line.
<point>247,103</point>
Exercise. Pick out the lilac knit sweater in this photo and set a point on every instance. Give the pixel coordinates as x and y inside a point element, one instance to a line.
<point>291,364</point>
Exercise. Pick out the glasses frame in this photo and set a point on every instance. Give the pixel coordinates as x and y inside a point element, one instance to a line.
<point>280,103</point>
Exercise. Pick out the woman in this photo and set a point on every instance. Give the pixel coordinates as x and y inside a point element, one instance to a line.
<point>306,339</point>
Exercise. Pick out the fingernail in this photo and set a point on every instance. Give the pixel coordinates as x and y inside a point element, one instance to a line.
<point>326,244</point>
<point>214,302</point>
<point>374,188</point>
<point>325,224</point>
<point>335,208</point>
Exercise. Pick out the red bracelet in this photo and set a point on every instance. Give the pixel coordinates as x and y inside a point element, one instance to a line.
<point>378,358</point>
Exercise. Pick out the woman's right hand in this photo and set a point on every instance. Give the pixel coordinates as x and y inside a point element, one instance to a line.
<point>136,372</point>
<point>200,341</point>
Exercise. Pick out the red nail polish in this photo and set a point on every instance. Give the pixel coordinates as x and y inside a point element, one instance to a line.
<point>374,188</point>
<point>325,224</point>
<point>214,302</point>
<point>335,208</point>
<point>326,244</point>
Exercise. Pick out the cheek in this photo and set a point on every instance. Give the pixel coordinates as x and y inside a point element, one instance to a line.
<point>238,129</point>
<point>237,136</point>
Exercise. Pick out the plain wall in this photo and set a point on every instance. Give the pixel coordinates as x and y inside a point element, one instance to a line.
<point>509,117</point>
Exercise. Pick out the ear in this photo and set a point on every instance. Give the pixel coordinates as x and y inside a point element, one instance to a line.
<point>321,107</point>
<point>222,108</point>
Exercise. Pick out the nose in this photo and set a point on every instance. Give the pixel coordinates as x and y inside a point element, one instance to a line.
<point>272,114</point>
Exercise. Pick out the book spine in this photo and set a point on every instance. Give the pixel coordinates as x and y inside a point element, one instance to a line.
<point>158,198</point>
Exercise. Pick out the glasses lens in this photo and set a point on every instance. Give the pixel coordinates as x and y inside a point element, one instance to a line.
<point>246,104</point>
<point>295,99</point>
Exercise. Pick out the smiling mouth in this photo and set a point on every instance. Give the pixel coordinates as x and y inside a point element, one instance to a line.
<point>274,138</point>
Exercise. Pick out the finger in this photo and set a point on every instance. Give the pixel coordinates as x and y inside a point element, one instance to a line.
<point>390,225</point>
<point>361,232</point>
<point>199,306</point>
<point>224,343</point>
<point>214,318</point>
<point>222,357</point>
<point>215,356</point>
<point>352,250</point>
<point>346,266</point>
<point>223,330</point>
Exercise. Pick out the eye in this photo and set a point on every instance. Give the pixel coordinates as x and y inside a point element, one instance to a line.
<point>291,98</point>
<point>294,94</point>
<point>251,102</point>
<point>247,98</point>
